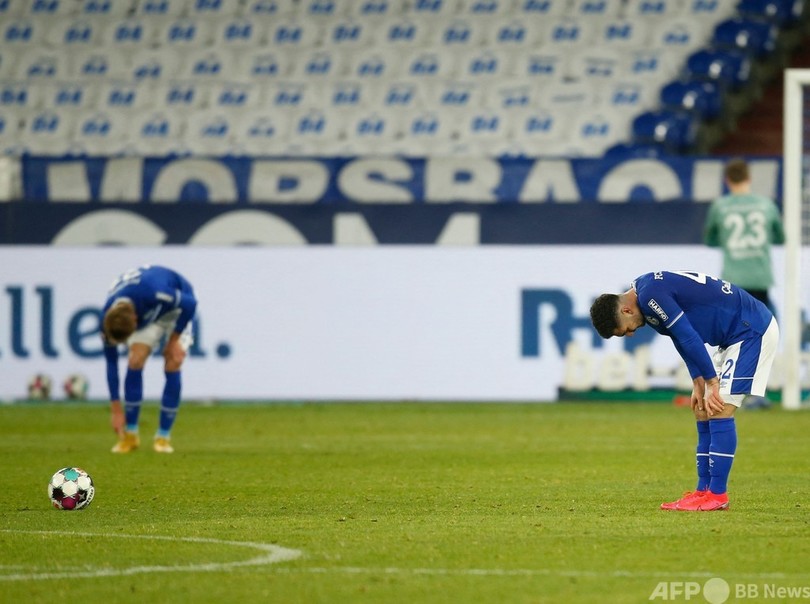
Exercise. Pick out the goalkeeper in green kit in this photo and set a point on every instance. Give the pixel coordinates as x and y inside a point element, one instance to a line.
<point>745,226</point>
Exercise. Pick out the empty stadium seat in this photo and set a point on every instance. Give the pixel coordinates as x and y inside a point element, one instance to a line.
<point>449,94</point>
<point>42,64</point>
<point>155,133</point>
<point>397,94</point>
<point>757,39</point>
<point>105,8</point>
<point>179,96</point>
<point>239,32</point>
<point>320,9</point>
<point>373,64</point>
<point>675,131</point>
<point>457,33</point>
<point>535,131</point>
<point>313,132</point>
<point>680,34</point>
<point>621,33</point>
<point>566,33</point>
<point>153,64</point>
<point>49,8</point>
<point>319,63</point>
<point>20,95</point>
<point>404,31</point>
<point>293,33</point>
<point>513,94</point>
<point>259,133</point>
<point>484,64</point>
<point>268,8</point>
<point>480,132</point>
<point>348,32</point>
<point>47,132</point>
<point>428,63</point>
<point>653,10</point>
<point>131,32</point>
<point>341,94</point>
<point>124,96</point>
<point>160,8</point>
<point>709,10</point>
<point>486,9</point>
<point>730,69</point>
<point>69,96</point>
<point>778,12</point>
<point>432,8</point>
<point>234,97</point>
<point>511,33</point>
<point>425,132</point>
<point>72,33</point>
<point>373,9</point>
<point>600,65</point>
<point>209,133</point>
<point>213,8</point>
<point>210,65</point>
<point>592,132</point>
<point>704,99</point>
<point>369,131</point>
<point>99,64</point>
<point>542,8</point>
<point>540,65</point>
<point>101,133</point>
<point>185,32</point>
<point>10,130</point>
<point>287,95</point>
<point>595,8</point>
<point>262,65</point>
<point>22,32</point>
<point>627,97</point>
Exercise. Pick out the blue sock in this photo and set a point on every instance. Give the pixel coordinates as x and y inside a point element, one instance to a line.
<point>702,455</point>
<point>721,455</point>
<point>169,403</point>
<point>133,395</point>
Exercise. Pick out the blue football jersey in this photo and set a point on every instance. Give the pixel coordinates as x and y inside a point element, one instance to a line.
<point>154,291</point>
<point>695,309</point>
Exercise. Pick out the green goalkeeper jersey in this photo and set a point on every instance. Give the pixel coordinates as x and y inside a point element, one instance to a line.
<point>745,226</point>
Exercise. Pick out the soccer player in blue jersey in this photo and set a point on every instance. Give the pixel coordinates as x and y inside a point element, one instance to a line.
<point>145,306</point>
<point>694,309</point>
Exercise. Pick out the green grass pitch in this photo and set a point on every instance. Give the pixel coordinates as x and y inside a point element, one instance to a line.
<point>397,503</point>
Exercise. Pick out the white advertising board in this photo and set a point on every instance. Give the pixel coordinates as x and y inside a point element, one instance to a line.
<point>393,323</point>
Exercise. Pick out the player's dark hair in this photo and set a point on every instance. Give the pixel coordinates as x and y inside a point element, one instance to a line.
<point>120,322</point>
<point>736,171</point>
<point>604,314</point>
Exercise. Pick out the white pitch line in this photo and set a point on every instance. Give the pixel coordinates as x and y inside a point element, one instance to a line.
<point>273,555</point>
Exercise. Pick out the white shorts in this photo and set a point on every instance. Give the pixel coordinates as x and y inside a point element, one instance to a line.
<point>744,367</point>
<point>153,334</point>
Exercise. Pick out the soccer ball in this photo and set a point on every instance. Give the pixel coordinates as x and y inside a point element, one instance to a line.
<point>76,387</point>
<point>71,489</point>
<point>39,387</point>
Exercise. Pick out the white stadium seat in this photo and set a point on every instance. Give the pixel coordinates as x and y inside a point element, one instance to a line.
<point>514,94</point>
<point>42,64</point>
<point>20,95</point>
<point>598,64</point>
<point>160,8</point>
<point>50,8</point>
<point>152,64</point>
<point>397,95</point>
<point>179,96</point>
<point>621,33</point>
<point>425,132</point>
<point>683,35</point>
<point>371,131</point>
<point>341,95</point>
<point>458,94</point>
<point>598,9</point>
<point>268,8</point>
<point>69,96</point>
<point>239,32</point>
<point>512,33</point>
<point>157,133</point>
<point>378,64</point>
<point>591,133</point>
<point>209,133</point>
<point>293,33</point>
<point>481,131</point>
<point>540,65</point>
<point>99,64</point>
<point>125,96</point>
<point>709,10</point>
<point>10,130</point>
<point>105,8</point>
<point>373,9</point>
<point>313,132</point>
<point>435,64</point>
<point>286,95</point>
<point>536,132</point>
<point>319,64</point>
<point>47,132</point>
<point>457,33</point>
<point>213,8</point>
<point>185,32</point>
<point>320,9</point>
<point>567,33</point>
<point>235,97</point>
<point>653,10</point>
<point>541,8</point>
<point>432,8</point>
<point>22,32</point>
<point>73,33</point>
<point>486,9</point>
<point>8,62</point>
<point>403,32</point>
<point>484,64</point>
<point>263,65</point>
<point>348,32</point>
<point>208,65</point>
<point>259,133</point>
<point>130,32</point>
<point>102,132</point>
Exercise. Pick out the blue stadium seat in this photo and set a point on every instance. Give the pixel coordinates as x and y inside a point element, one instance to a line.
<point>631,150</point>
<point>779,12</point>
<point>704,99</point>
<point>730,69</point>
<point>675,131</point>
<point>757,39</point>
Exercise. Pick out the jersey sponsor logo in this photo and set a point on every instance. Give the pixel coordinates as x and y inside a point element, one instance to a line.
<point>658,310</point>
<point>651,320</point>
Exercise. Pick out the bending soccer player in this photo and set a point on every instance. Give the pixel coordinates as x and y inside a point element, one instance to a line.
<point>144,306</point>
<point>695,309</point>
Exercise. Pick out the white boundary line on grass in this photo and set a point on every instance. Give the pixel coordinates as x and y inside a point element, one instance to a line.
<point>275,554</point>
<point>272,554</point>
